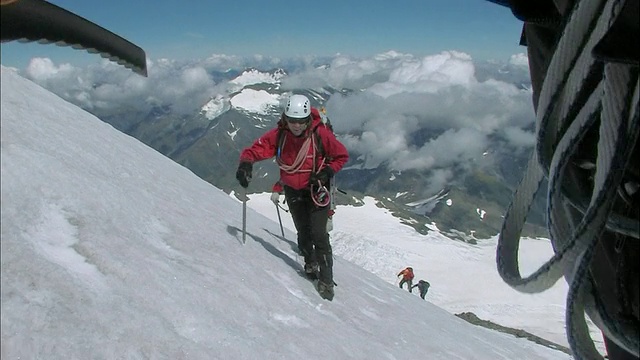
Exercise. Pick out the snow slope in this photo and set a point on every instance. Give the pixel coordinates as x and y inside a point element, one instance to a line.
<point>111,250</point>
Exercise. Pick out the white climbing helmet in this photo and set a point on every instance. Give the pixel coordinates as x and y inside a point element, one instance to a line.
<point>298,107</point>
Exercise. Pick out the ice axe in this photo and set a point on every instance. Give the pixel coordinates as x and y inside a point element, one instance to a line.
<point>280,220</point>
<point>244,216</point>
<point>275,197</point>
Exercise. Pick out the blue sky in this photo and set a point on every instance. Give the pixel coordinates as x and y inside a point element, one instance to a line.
<point>284,29</point>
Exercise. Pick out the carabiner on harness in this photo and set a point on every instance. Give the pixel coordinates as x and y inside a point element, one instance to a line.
<point>320,195</point>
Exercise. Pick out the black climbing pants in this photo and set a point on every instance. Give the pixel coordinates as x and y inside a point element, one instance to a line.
<point>311,225</point>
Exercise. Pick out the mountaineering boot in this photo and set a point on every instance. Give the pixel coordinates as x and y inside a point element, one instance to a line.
<point>325,283</point>
<point>326,290</point>
<point>326,268</point>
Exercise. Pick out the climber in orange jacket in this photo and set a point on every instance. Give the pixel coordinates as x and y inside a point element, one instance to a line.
<point>407,277</point>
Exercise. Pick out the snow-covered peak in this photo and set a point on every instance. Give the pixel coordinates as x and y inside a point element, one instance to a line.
<point>255,101</point>
<point>215,107</point>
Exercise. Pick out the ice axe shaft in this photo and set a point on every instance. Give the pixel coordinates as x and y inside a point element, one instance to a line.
<point>244,216</point>
<point>280,220</point>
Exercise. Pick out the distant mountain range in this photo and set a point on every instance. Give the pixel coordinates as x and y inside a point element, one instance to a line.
<point>209,140</point>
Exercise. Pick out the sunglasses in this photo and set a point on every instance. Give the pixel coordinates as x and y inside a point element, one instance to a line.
<point>303,120</point>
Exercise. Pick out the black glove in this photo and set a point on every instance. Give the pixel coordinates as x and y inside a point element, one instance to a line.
<point>323,176</point>
<point>244,173</point>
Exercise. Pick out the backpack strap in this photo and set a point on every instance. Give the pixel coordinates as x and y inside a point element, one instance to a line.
<point>319,146</point>
<point>280,138</point>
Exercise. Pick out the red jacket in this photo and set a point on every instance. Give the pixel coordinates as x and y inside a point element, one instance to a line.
<point>407,274</point>
<point>266,146</point>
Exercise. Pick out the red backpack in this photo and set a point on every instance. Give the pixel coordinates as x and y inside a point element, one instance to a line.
<point>407,273</point>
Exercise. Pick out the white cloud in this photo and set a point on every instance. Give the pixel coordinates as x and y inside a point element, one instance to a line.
<point>402,105</point>
<point>449,148</point>
<point>43,69</point>
<point>346,72</point>
<point>428,75</point>
<point>519,60</point>
<point>255,77</point>
<point>519,137</point>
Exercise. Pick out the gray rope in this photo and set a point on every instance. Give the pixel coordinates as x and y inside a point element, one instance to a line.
<point>564,116</point>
